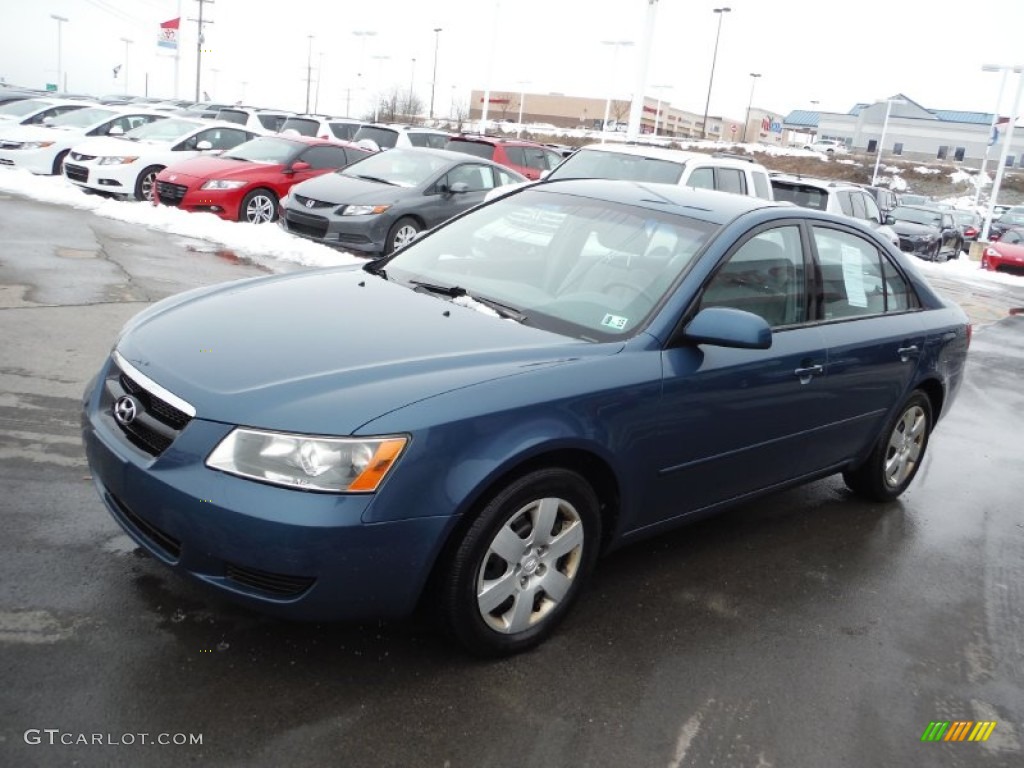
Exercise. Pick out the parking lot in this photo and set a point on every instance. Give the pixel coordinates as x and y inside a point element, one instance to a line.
<point>806,629</point>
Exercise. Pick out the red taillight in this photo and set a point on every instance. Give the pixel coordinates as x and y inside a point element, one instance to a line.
<point>970,232</point>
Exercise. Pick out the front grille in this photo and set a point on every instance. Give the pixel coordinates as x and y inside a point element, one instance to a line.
<point>344,237</point>
<point>6,162</point>
<point>271,584</point>
<point>308,202</point>
<point>305,224</point>
<point>158,538</point>
<point>157,423</point>
<point>170,194</point>
<point>76,172</point>
<point>82,158</point>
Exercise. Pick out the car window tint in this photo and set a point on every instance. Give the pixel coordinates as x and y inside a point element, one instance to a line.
<point>762,188</point>
<point>871,209</point>
<point>764,276</point>
<point>535,158</point>
<point>702,178</point>
<point>320,158</point>
<point>344,130</point>
<point>504,177</point>
<point>859,211</point>
<point>731,180</point>
<point>899,296</point>
<point>516,156</point>
<point>845,203</point>
<point>851,274</point>
<point>477,177</point>
<point>553,158</point>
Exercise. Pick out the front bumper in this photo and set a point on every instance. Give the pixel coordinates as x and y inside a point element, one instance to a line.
<point>294,554</point>
<point>920,248</point>
<point>185,193</point>
<point>116,179</point>
<point>362,234</point>
<point>34,160</point>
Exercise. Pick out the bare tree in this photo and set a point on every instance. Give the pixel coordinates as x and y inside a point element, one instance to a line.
<point>619,111</point>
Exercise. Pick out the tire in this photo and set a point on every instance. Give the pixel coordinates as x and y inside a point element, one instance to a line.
<point>258,207</point>
<point>509,582</point>
<point>147,180</point>
<point>58,162</point>
<point>897,456</point>
<point>401,234</point>
<point>933,254</point>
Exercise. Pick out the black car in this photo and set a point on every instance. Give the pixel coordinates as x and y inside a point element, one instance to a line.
<point>970,225</point>
<point>928,233</point>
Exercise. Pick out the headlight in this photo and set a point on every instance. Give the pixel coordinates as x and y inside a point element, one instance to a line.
<point>36,144</point>
<point>222,184</point>
<point>362,210</point>
<point>308,463</point>
<point>118,160</point>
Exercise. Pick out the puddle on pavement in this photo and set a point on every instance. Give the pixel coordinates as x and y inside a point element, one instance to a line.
<point>221,253</point>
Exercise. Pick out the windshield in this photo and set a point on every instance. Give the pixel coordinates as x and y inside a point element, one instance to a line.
<point>82,118</point>
<point>918,216</point>
<point>163,130</point>
<point>233,116</point>
<point>401,167</point>
<point>384,137</point>
<point>23,107</point>
<point>266,149</point>
<point>964,217</point>
<point>589,269</point>
<point>301,125</point>
<point>596,164</point>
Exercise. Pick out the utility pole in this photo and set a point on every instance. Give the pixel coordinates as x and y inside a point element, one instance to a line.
<point>309,69</point>
<point>199,42</point>
<point>60,65</point>
<point>433,82</point>
<point>126,42</point>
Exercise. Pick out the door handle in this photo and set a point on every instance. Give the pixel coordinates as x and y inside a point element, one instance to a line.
<point>806,374</point>
<point>906,353</point>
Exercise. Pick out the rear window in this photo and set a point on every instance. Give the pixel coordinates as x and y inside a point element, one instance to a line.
<point>344,131</point>
<point>302,125</point>
<point>595,164</point>
<point>272,122</point>
<point>800,194</point>
<point>233,116</point>
<point>433,140</point>
<point>385,138</point>
<point>475,148</point>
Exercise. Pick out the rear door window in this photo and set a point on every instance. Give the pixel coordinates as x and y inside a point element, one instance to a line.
<point>321,158</point>
<point>702,178</point>
<point>731,180</point>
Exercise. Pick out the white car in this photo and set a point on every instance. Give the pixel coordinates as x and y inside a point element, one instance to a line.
<point>38,111</point>
<point>390,136</point>
<point>260,119</point>
<point>128,165</point>
<point>42,148</point>
<point>827,147</point>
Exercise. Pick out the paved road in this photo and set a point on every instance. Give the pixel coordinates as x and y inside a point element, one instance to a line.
<point>808,629</point>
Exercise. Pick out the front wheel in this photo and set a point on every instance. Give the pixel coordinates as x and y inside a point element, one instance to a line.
<point>520,565</point>
<point>402,233</point>
<point>146,181</point>
<point>58,162</point>
<point>258,207</point>
<point>896,458</point>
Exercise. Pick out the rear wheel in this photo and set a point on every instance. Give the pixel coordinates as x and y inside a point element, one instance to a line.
<point>520,565</point>
<point>896,458</point>
<point>58,162</point>
<point>145,183</point>
<point>258,207</point>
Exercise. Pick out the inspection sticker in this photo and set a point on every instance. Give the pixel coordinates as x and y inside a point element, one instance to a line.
<point>614,321</point>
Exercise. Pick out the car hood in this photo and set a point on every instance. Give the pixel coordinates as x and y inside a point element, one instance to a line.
<point>1008,250</point>
<point>220,168</point>
<point>42,133</point>
<point>910,228</point>
<point>337,189</point>
<point>324,352</point>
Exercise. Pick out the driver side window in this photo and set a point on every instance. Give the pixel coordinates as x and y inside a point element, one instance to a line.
<point>477,177</point>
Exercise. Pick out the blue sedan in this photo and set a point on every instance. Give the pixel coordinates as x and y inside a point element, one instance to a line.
<point>473,420</point>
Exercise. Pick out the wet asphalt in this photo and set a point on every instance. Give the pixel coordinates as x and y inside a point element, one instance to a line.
<point>806,629</point>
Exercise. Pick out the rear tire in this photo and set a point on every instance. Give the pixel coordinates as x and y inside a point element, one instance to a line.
<point>898,454</point>
<point>519,567</point>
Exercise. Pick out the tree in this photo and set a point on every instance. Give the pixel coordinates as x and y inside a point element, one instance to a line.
<point>397,106</point>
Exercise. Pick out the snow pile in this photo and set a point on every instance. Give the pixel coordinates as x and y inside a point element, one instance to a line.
<point>262,243</point>
<point>962,177</point>
<point>926,171</point>
<point>966,271</point>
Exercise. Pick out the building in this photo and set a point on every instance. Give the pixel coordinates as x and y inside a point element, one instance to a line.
<point>913,132</point>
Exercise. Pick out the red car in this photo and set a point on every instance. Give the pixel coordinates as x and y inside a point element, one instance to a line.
<point>1006,253</point>
<point>246,183</point>
<point>527,157</point>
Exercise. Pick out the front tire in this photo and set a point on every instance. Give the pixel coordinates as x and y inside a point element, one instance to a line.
<point>401,234</point>
<point>518,568</point>
<point>144,185</point>
<point>897,456</point>
<point>58,162</point>
<point>258,207</point>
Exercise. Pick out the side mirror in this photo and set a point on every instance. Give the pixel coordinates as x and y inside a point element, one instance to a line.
<point>890,219</point>
<point>47,121</point>
<point>727,327</point>
<point>458,187</point>
<point>203,146</point>
<point>300,165</point>
<point>115,130</point>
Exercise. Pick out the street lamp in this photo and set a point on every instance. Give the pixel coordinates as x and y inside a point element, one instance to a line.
<point>412,79</point>
<point>753,81</point>
<point>714,57</point>
<point>376,98</point>
<point>994,197</point>
<point>657,109</point>
<point>608,104</point>
<point>433,82</point>
<point>881,140</point>
<point>362,34</point>
<point>309,70</point>
<point>60,70</point>
<point>522,98</point>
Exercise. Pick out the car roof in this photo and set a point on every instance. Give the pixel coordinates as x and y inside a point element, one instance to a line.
<point>708,205</point>
<point>671,155</point>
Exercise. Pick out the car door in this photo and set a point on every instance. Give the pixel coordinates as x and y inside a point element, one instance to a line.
<point>950,235</point>
<point>441,203</point>
<point>872,327</point>
<point>738,420</point>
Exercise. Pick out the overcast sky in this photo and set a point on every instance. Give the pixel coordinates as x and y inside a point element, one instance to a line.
<point>835,54</point>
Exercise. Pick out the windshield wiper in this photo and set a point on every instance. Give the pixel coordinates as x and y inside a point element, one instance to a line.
<point>455,291</point>
<point>377,179</point>
<point>376,267</point>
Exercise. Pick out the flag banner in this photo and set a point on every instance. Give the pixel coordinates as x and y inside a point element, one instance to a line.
<point>169,34</point>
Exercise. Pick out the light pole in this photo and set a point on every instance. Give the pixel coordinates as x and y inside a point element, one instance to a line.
<point>376,98</point>
<point>412,80</point>
<point>657,109</point>
<point>616,44</point>
<point>991,129</point>
<point>362,34</point>
<point>753,81</point>
<point>714,57</point>
<point>60,65</point>
<point>522,99</point>
<point>881,141</point>
<point>433,82</point>
<point>126,42</point>
<point>309,69</point>
<point>994,197</point>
